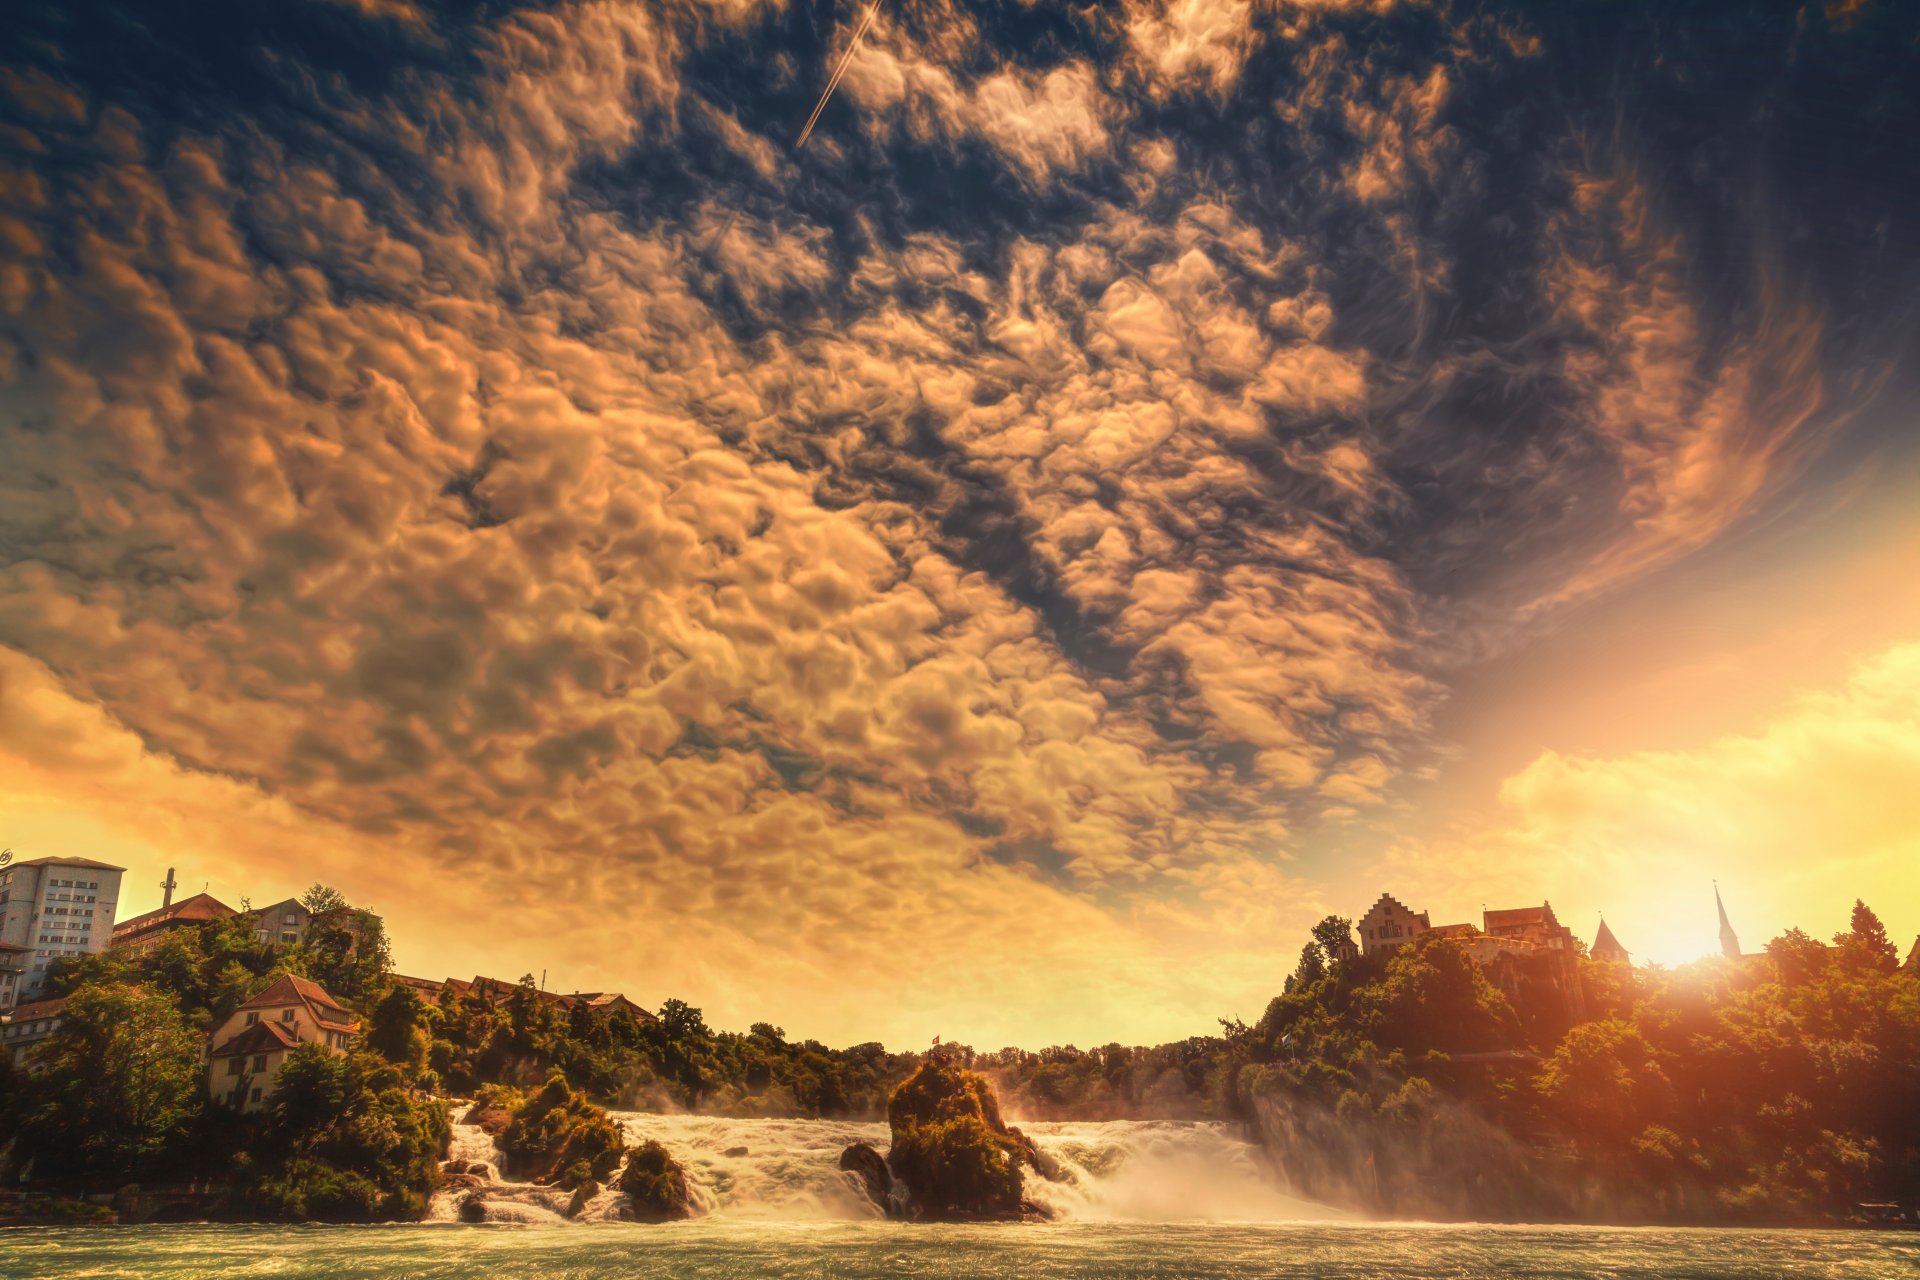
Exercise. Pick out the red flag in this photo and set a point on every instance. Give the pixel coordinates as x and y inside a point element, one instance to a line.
<point>936,1039</point>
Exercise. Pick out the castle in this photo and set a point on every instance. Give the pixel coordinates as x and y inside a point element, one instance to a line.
<point>1524,951</point>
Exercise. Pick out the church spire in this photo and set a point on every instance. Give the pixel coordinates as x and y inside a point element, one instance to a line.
<point>1729,941</point>
<point>1606,946</point>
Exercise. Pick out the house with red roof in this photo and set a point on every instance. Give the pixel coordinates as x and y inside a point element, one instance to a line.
<point>251,1046</point>
<point>144,932</point>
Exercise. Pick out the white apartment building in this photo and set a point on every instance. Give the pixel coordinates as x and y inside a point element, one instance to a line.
<point>54,907</point>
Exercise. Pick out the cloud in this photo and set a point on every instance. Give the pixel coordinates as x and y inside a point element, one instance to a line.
<point>1702,430</point>
<point>1042,123</point>
<point>1196,43</point>
<point>986,555</point>
<point>1794,817</point>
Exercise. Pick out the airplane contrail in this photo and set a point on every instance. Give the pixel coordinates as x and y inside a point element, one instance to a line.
<point>838,71</point>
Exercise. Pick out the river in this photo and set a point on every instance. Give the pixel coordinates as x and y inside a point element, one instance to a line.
<point>1153,1200</point>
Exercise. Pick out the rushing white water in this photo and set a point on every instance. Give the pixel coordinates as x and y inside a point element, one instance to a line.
<point>1159,1171</point>
<point>788,1170</point>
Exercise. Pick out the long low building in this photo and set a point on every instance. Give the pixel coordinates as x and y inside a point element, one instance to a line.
<point>144,932</point>
<point>26,1025</point>
<point>497,991</point>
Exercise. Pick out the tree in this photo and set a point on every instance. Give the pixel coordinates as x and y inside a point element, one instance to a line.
<point>1311,969</point>
<point>391,1031</point>
<point>1434,996</point>
<point>322,898</point>
<point>1865,947</point>
<point>1797,957</point>
<point>112,1086</point>
<point>950,1146</point>
<point>682,1022</point>
<point>1334,935</point>
<point>655,1184</point>
<point>1606,1082</point>
<point>347,953</point>
<point>312,1088</point>
<point>233,987</point>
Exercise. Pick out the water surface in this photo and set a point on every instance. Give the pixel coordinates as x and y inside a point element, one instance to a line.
<point>744,1250</point>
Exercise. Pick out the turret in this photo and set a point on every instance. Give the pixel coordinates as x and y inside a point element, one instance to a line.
<point>1729,941</point>
<point>1607,948</point>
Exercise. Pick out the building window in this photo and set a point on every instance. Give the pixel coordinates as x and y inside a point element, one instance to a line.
<point>234,1065</point>
<point>252,1018</point>
<point>256,1095</point>
<point>259,1062</point>
<point>286,1015</point>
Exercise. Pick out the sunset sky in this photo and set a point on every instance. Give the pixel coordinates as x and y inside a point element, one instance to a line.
<point>1142,477</point>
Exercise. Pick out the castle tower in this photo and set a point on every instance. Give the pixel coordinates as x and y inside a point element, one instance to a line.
<point>1729,941</point>
<point>1606,947</point>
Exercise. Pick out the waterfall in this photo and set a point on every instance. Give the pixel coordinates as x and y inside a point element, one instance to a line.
<point>506,1201</point>
<point>784,1169</point>
<point>788,1170</point>
<point>1158,1171</point>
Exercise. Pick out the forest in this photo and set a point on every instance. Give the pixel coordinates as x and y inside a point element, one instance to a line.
<point>1780,1087</point>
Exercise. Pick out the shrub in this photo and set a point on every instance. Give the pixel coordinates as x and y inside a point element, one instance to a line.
<point>950,1146</point>
<point>655,1184</point>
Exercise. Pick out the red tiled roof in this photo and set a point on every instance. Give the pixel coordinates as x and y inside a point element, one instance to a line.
<point>199,908</point>
<point>262,1036</point>
<point>608,1001</point>
<point>1454,930</point>
<point>495,989</point>
<point>38,1009</point>
<point>1519,917</point>
<point>292,989</point>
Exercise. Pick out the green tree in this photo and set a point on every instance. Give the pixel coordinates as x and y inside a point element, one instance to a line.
<point>1333,935</point>
<point>950,1146</point>
<point>1865,947</point>
<point>322,898</point>
<point>1797,957</point>
<point>1311,969</point>
<point>395,1030</point>
<point>1606,1082</point>
<point>118,1081</point>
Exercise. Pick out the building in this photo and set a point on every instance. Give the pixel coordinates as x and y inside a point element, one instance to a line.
<point>1536,962</point>
<point>497,991</point>
<point>1913,959</point>
<point>426,988</point>
<point>13,969</point>
<point>26,1025</point>
<point>249,1048</point>
<point>1729,941</point>
<point>1524,951</point>
<point>1606,948</point>
<point>608,1003</point>
<point>1390,923</point>
<point>282,924</point>
<point>55,907</point>
<point>144,932</point>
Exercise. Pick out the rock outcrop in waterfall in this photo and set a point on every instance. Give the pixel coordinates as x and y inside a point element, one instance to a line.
<point>956,1159</point>
<point>655,1185</point>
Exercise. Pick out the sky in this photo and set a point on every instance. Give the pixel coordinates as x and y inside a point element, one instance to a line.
<point>1142,477</point>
